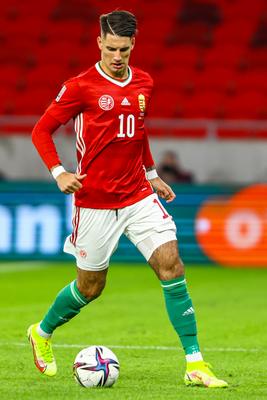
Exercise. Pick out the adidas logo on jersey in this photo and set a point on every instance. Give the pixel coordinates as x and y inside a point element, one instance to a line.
<point>125,102</point>
<point>188,312</point>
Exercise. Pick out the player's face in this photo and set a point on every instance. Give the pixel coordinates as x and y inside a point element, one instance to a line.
<point>115,54</point>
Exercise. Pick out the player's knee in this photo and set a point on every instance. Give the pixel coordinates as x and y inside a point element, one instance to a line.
<point>93,290</point>
<point>171,270</point>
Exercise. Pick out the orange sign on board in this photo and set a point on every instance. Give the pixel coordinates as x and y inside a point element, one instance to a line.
<point>233,231</point>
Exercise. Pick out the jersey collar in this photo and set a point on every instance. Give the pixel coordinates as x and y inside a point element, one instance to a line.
<point>115,81</point>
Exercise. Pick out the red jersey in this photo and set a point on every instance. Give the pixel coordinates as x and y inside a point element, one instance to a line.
<point>112,145</point>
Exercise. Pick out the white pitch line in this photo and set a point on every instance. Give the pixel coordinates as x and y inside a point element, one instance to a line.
<point>133,347</point>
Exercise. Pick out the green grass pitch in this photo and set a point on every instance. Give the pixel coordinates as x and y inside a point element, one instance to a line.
<point>232,322</point>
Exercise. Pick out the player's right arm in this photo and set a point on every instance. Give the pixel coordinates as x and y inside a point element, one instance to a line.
<point>65,106</point>
<point>68,182</point>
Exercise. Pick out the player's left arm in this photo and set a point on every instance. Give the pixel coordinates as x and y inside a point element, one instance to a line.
<point>161,188</point>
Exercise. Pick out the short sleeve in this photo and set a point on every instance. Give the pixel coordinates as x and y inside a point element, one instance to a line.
<point>68,102</point>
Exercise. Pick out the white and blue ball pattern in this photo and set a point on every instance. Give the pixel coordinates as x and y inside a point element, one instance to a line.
<point>96,366</point>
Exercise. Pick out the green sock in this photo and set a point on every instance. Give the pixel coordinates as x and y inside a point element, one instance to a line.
<point>68,303</point>
<point>181,313</point>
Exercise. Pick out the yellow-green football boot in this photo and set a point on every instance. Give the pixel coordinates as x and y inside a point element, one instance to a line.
<point>199,373</point>
<point>42,352</point>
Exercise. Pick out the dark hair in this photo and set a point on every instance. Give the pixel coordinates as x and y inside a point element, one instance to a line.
<point>118,22</point>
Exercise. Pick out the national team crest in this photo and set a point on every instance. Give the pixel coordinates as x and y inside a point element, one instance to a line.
<point>83,253</point>
<point>142,102</point>
<point>106,102</point>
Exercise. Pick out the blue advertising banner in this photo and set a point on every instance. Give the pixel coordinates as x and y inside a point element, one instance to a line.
<point>35,218</point>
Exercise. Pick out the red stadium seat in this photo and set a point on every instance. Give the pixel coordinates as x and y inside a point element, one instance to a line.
<point>68,54</point>
<point>175,77</point>
<point>205,104</point>
<point>247,105</point>
<point>155,29</point>
<point>38,76</point>
<point>35,101</point>
<point>196,34</point>
<point>256,59</point>
<point>243,9</point>
<point>181,55</point>
<point>146,56</point>
<point>155,9</point>
<point>57,52</point>
<point>6,100</point>
<point>252,80</point>
<point>26,26</point>
<point>10,75</point>
<point>215,78</point>
<point>237,31</point>
<point>223,55</point>
<point>166,104</point>
<point>63,31</point>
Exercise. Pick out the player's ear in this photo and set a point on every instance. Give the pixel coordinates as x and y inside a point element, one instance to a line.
<point>132,42</point>
<point>99,42</point>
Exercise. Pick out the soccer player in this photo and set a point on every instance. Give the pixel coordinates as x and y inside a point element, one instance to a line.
<point>116,189</point>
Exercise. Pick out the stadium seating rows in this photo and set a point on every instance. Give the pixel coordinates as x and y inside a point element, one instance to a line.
<point>208,57</point>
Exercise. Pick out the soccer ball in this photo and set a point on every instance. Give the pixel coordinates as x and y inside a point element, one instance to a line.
<point>96,366</point>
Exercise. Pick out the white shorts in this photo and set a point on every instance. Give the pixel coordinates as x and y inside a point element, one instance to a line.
<point>96,232</point>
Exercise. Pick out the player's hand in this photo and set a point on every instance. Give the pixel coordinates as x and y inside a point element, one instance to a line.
<point>69,183</point>
<point>162,189</point>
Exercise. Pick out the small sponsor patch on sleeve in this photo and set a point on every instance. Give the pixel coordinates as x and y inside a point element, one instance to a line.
<point>62,91</point>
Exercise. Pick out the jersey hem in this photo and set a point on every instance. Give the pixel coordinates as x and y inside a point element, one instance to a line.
<point>113,205</point>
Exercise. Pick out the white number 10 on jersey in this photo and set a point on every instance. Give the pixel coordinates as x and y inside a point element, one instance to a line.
<point>130,126</point>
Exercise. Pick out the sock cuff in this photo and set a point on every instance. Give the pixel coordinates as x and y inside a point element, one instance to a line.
<point>180,281</point>
<point>80,298</point>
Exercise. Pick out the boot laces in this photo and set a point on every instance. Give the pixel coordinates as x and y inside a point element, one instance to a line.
<point>46,351</point>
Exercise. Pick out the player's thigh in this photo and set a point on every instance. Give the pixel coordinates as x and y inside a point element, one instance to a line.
<point>95,237</point>
<point>149,225</point>
<point>166,262</point>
